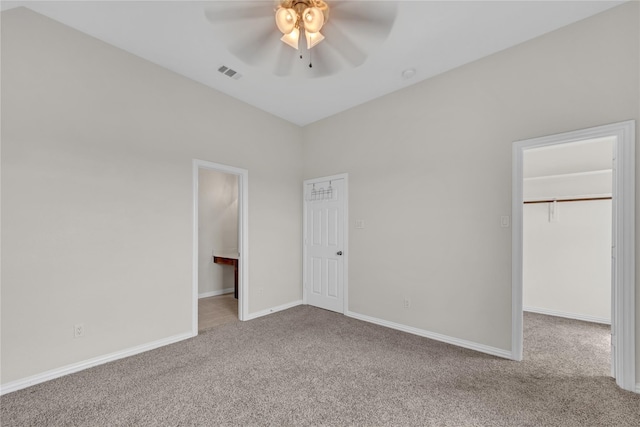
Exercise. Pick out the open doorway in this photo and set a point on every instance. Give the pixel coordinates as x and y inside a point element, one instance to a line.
<point>622,241</point>
<point>220,236</point>
<point>567,227</point>
<point>218,253</point>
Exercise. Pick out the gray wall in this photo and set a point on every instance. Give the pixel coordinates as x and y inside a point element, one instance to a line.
<point>97,205</point>
<point>430,171</point>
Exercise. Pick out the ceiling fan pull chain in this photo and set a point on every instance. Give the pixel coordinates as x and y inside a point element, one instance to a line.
<point>310,64</point>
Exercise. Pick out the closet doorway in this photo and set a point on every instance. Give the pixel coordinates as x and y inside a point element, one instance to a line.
<point>220,244</point>
<point>567,228</point>
<point>621,261</point>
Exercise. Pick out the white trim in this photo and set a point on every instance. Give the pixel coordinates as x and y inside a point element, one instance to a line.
<point>638,388</point>
<point>345,294</point>
<point>574,316</point>
<point>89,363</point>
<point>517,212</point>
<point>623,238</point>
<point>345,281</point>
<point>433,335</point>
<point>243,240</point>
<point>273,310</point>
<point>215,293</point>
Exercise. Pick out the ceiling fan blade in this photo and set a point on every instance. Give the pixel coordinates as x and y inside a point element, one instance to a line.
<point>226,12</point>
<point>285,59</point>
<point>247,29</point>
<point>343,44</point>
<point>324,60</point>
<point>377,15</point>
<point>260,45</point>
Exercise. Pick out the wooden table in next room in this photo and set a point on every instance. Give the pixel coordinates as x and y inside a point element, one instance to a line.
<point>229,259</point>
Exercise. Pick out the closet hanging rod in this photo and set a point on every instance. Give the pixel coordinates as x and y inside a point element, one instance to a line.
<point>583,199</point>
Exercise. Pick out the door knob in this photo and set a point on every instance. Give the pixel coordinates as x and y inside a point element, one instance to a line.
<point>339,253</point>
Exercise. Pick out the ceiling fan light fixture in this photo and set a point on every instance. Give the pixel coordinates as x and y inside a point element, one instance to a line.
<point>292,38</point>
<point>286,20</point>
<point>313,38</point>
<point>313,19</point>
<point>296,16</point>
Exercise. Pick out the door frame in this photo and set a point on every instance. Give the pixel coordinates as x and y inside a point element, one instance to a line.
<point>243,237</point>
<point>623,241</point>
<point>345,219</point>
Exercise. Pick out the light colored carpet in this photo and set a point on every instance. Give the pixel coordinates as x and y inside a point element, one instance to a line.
<point>307,366</point>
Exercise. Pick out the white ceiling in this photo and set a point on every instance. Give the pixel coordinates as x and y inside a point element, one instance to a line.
<point>429,36</point>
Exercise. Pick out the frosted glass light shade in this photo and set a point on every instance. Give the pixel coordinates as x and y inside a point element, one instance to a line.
<point>313,38</point>
<point>286,20</point>
<point>313,19</point>
<point>292,38</point>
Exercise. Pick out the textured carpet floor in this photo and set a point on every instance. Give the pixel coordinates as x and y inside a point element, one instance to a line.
<point>307,366</point>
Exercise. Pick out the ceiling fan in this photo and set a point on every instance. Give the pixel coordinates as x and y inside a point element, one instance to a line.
<point>306,38</point>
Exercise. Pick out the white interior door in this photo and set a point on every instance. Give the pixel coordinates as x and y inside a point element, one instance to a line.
<point>324,243</point>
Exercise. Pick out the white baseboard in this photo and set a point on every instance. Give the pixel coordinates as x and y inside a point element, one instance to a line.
<point>215,293</point>
<point>583,317</point>
<point>261,313</point>
<point>86,364</point>
<point>506,354</point>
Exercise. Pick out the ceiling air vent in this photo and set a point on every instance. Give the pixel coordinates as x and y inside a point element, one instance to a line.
<point>229,72</point>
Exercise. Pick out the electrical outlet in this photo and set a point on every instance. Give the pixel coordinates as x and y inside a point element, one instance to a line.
<point>406,303</point>
<point>78,330</point>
